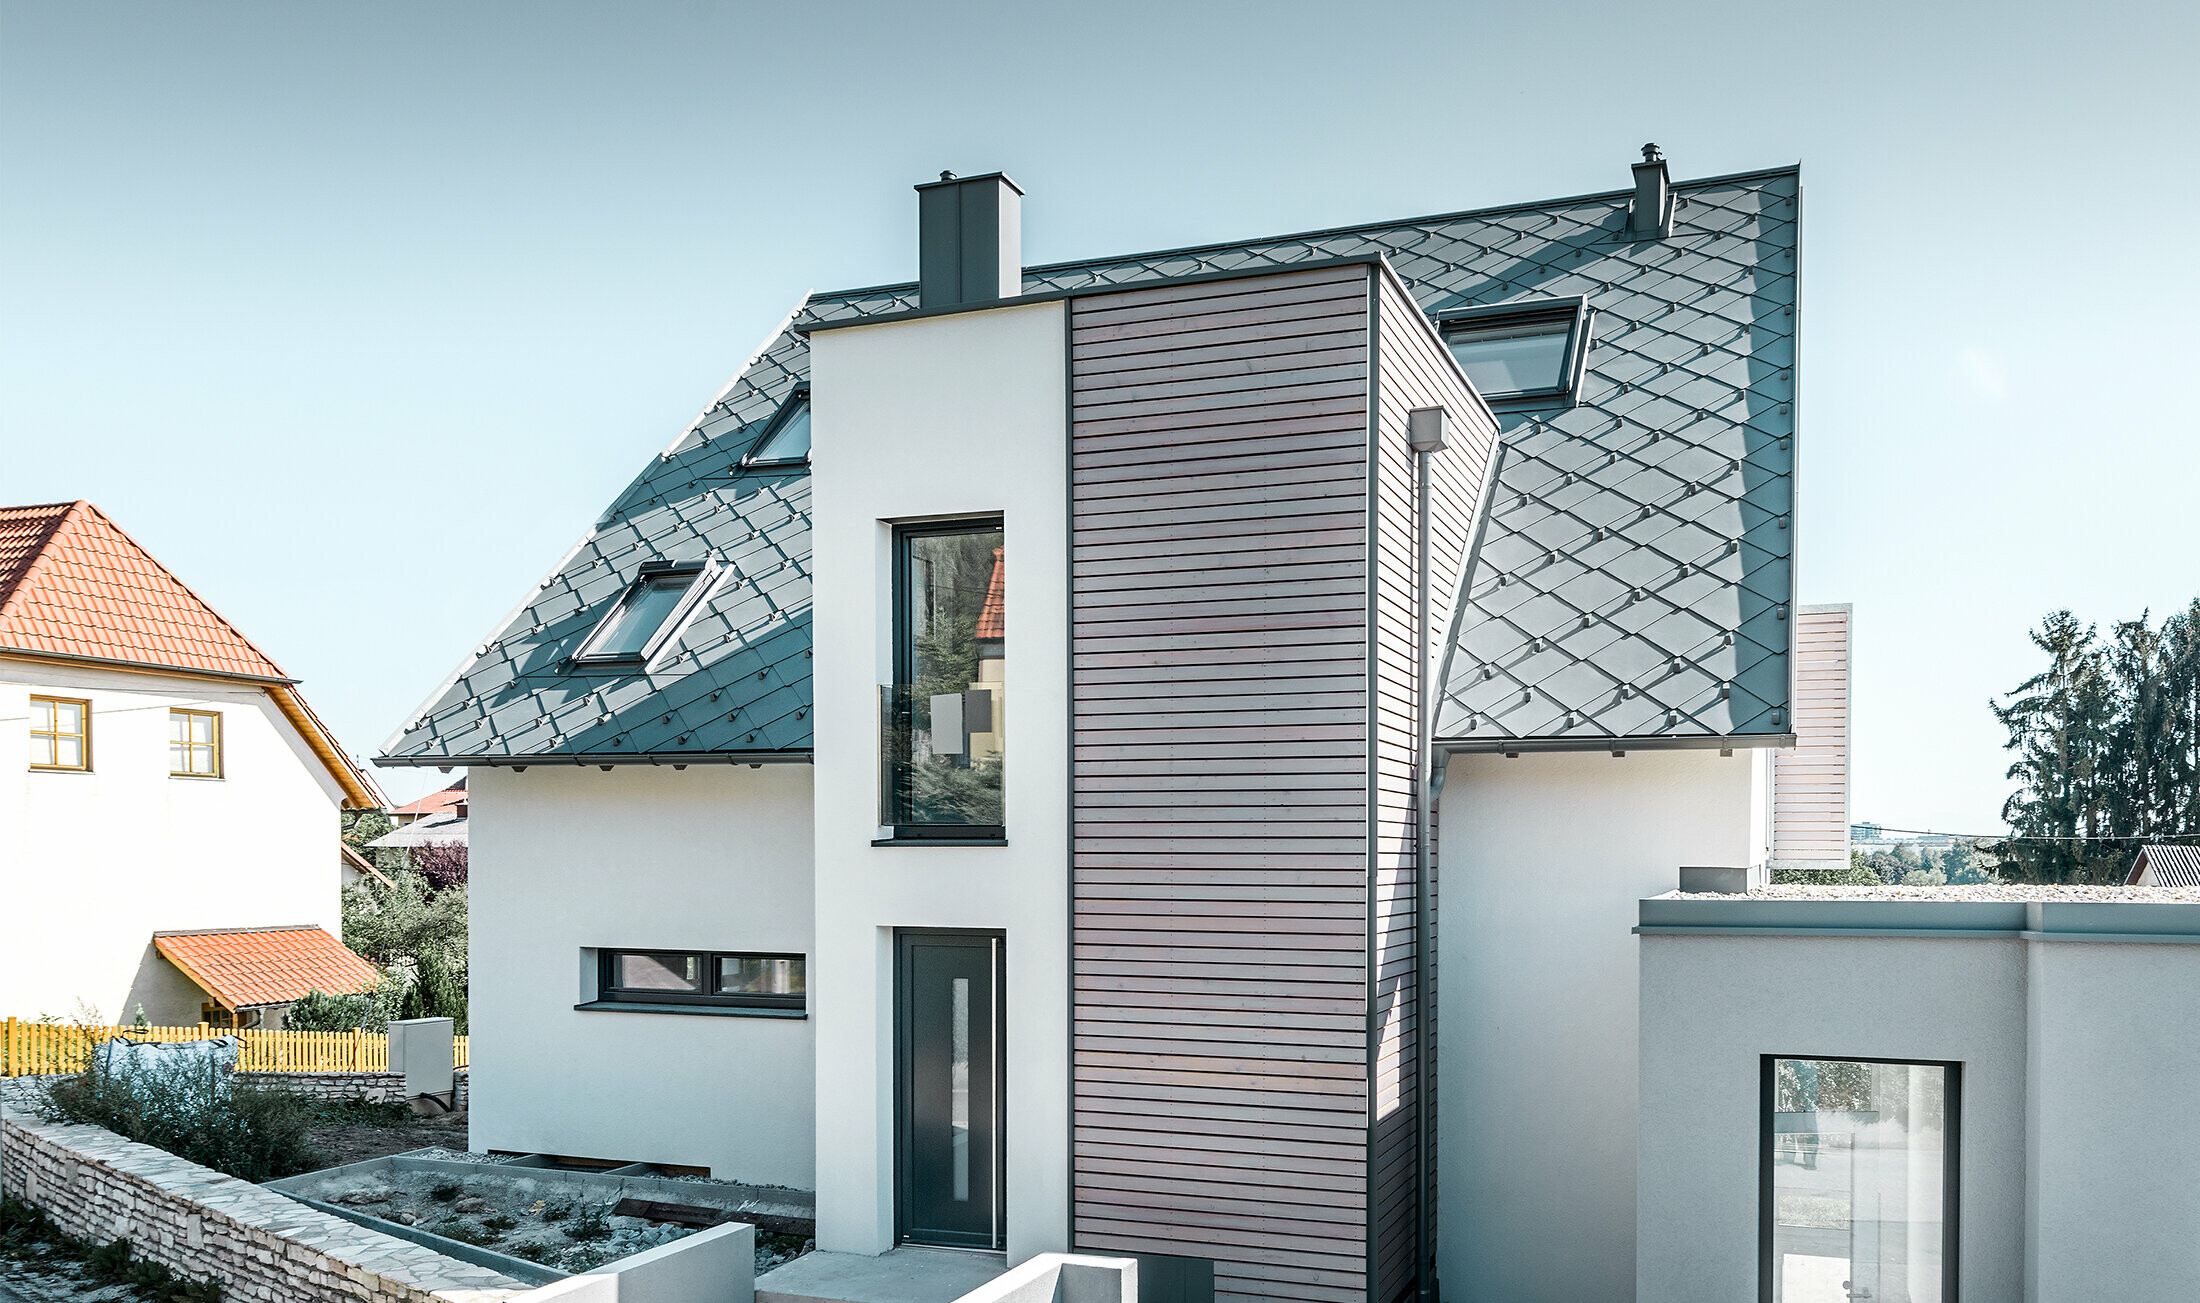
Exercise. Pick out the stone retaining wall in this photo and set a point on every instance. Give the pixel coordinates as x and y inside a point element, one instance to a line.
<point>370,1087</point>
<point>199,1223</point>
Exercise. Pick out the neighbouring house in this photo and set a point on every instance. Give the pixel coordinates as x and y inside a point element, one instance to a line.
<point>2165,866</point>
<point>354,868</point>
<point>435,805</point>
<point>163,777</point>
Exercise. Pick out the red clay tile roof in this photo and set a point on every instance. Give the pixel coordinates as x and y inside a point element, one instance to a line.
<point>73,584</point>
<point>244,967</point>
<point>435,803</point>
<point>992,615</point>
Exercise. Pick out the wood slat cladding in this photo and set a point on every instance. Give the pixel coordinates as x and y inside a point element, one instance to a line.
<point>1243,698</point>
<point>1810,781</point>
<point>1413,369</point>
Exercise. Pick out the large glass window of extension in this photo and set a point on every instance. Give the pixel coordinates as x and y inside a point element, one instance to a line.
<point>1858,1181</point>
<point>702,978</point>
<point>942,720</point>
<point>1520,353</point>
<point>61,733</point>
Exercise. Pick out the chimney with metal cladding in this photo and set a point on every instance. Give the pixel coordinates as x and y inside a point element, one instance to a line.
<point>970,243</point>
<point>1650,216</point>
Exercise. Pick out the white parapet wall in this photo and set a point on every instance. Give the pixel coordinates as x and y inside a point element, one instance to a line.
<point>1062,1278</point>
<point>715,1266</point>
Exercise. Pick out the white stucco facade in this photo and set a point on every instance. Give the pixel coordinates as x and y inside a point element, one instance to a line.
<point>568,860</point>
<point>103,859</point>
<point>959,415</point>
<point>2077,1071</point>
<point>1541,860</point>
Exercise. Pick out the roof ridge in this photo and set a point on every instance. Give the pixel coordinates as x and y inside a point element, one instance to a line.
<point>1352,228</point>
<point>39,551</point>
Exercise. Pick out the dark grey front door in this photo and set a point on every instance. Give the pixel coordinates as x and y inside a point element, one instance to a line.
<point>948,994</point>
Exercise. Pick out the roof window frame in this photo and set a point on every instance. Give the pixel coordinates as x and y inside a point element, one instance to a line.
<point>795,404</point>
<point>704,577</point>
<point>1573,309</point>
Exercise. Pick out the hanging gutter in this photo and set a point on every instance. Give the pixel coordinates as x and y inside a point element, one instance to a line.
<point>1688,742</point>
<point>602,759</point>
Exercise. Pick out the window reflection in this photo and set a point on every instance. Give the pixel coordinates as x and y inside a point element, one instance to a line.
<point>1859,1180</point>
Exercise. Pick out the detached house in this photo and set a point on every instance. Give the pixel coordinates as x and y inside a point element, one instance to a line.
<point>985,769</point>
<point>167,798</point>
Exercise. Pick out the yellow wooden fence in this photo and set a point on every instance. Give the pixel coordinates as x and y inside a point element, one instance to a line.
<point>33,1049</point>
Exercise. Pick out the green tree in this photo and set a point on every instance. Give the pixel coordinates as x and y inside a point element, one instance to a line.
<point>363,826</point>
<point>418,935</point>
<point>2059,723</point>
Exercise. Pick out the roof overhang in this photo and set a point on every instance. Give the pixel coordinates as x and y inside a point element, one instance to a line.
<point>1699,742</point>
<point>601,759</point>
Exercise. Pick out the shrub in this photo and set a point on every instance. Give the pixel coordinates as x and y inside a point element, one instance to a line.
<point>196,1111</point>
<point>590,1223</point>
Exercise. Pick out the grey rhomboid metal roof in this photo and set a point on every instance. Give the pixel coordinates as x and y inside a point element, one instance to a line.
<point>1633,579</point>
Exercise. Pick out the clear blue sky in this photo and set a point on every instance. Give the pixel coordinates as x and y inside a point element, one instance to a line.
<point>358,315</point>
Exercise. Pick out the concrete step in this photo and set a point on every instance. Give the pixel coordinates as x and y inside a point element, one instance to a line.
<point>908,1274</point>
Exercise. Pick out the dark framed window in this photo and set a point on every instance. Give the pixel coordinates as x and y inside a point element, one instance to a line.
<point>786,441</point>
<point>1521,354</point>
<point>943,719</point>
<point>737,979</point>
<point>1857,1179</point>
<point>647,614</point>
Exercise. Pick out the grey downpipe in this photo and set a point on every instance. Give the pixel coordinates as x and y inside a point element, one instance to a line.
<point>1424,987</point>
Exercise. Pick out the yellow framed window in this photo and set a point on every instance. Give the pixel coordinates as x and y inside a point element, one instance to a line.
<point>195,743</point>
<point>61,733</point>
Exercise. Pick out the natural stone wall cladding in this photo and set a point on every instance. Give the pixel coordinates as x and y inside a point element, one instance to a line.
<point>258,1244</point>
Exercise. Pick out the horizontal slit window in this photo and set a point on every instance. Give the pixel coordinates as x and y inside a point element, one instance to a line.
<point>736,979</point>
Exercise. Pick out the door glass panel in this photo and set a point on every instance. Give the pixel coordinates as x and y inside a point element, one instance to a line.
<point>1859,1173</point>
<point>958,1085</point>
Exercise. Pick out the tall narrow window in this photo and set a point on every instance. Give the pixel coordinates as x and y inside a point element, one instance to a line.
<point>647,615</point>
<point>943,721</point>
<point>61,733</point>
<point>1858,1181</point>
<point>194,744</point>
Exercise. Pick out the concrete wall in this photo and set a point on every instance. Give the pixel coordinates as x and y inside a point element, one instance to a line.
<point>1541,863</point>
<point>1714,1006</point>
<point>942,416</point>
<point>105,859</point>
<point>2114,1067</point>
<point>566,860</point>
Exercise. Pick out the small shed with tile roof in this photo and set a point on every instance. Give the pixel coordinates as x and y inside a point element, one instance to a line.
<point>246,969</point>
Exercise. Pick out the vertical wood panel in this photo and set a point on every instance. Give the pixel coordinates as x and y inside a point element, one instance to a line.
<point>1810,781</point>
<point>1412,371</point>
<point>1219,697</point>
<point>1246,678</point>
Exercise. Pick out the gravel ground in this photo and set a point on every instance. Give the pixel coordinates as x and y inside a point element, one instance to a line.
<point>529,1213</point>
<point>354,1143</point>
<point>2003,892</point>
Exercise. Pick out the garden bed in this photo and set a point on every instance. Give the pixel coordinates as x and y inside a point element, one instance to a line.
<point>541,1223</point>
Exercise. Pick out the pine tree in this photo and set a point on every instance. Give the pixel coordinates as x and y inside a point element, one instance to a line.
<point>2059,723</point>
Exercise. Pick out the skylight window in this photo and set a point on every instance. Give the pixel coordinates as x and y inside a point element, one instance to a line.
<point>647,615</point>
<point>1521,352</point>
<point>787,442</point>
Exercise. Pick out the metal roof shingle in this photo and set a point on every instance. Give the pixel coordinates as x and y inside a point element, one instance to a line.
<point>1633,574</point>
